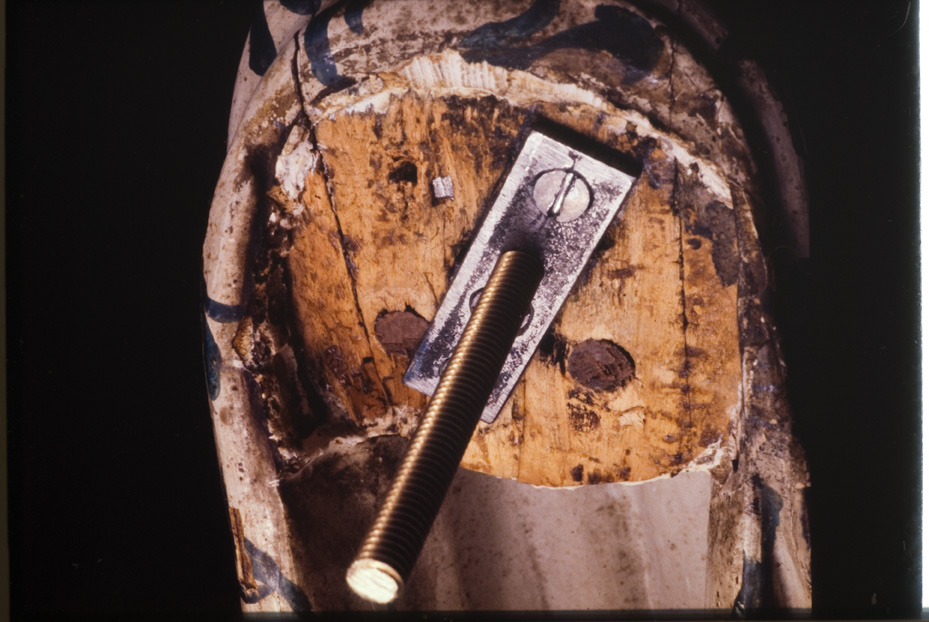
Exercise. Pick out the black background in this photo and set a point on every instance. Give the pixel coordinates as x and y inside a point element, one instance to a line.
<point>116,121</point>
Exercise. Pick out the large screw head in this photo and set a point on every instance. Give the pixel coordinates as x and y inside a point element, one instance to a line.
<point>561,194</point>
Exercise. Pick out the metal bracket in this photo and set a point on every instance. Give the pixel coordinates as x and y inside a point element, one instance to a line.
<point>556,202</point>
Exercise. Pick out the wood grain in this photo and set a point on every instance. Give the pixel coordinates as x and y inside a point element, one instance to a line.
<point>380,243</point>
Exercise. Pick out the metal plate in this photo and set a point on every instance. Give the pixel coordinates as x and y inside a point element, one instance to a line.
<point>518,221</point>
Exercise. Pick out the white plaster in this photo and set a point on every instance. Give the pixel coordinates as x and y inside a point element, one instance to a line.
<point>297,159</point>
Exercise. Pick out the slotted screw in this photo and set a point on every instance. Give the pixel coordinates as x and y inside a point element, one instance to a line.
<point>396,539</point>
<point>561,194</point>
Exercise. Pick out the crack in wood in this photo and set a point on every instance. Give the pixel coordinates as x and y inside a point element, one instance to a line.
<point>295,73</point>
<point>349,264</point>
<point>686,403</point>
<point>672,96</point>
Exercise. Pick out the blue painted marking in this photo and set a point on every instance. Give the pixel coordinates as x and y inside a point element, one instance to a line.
<point>750,596</point>
<point>261,51</point>
<point>316,46</point>
<point>353,11</point>
<point>771,505</point>
<point>497,34</point>
<point>301,7</point>
<point>222,312</point>
<point>628,37</point>
<point>212,359</point>
<point>266,570</point>
<point>757,591</point>
<point>217,310</point>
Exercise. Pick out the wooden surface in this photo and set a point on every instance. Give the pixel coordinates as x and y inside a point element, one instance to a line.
<point>327,252</point>
<point>640,374</point>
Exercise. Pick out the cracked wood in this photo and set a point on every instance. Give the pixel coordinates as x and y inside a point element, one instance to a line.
<point>378,242</point>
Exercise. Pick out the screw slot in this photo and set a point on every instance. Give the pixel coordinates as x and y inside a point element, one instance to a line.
<point>561,194</point>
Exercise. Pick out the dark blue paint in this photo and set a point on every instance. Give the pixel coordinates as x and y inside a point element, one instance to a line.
<point>627,36</point>
<point>316,46</point>
<point>771,505</point>
<point>301,7</point>
<point>266,570</point>
<point>222,312</point>
<point>757,591</point>
<point>353,11</point>
<point>212,359</point>
<point>261,50</point>
<point>217,310</point>
<point>749,598</point>
<point>498,34</point>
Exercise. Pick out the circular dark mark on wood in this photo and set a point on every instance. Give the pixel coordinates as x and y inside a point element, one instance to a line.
<point>577,473</point>
<point>600,365</point>
<point>400,331</point>
<point>406,171</point>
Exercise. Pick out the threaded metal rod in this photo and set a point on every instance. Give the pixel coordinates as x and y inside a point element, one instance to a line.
<point>394,542</point>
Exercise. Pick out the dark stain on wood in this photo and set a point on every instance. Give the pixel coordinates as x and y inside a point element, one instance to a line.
<point>709,436</point>
<point>600,365</point>
<point>659,172</point>
<point>582,396</point>
<point>621,273</point>
<point>717,223</point>
<point>400,332</point>
<point>296,406</point>
<point>685,369</point>
<point>404,172</point>
<point>335,362</point>
<point>577,473</point>
<point>693,351</point>
<point>553,348</point>
<point>594,477</point>
<point>643,148</point>
<point>583,419</point>
<point>470,116</point>
<point>752,331</point>
<point>709,219</point>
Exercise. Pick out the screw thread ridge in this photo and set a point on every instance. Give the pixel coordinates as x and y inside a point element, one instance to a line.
<point>416,494</point>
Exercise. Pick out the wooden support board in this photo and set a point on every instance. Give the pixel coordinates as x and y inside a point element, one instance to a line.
<point>640,374</point>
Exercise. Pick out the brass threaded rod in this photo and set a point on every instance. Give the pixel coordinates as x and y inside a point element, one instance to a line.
<point>394,542</point>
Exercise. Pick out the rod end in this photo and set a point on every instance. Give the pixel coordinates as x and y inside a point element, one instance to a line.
<point>374,580</point>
